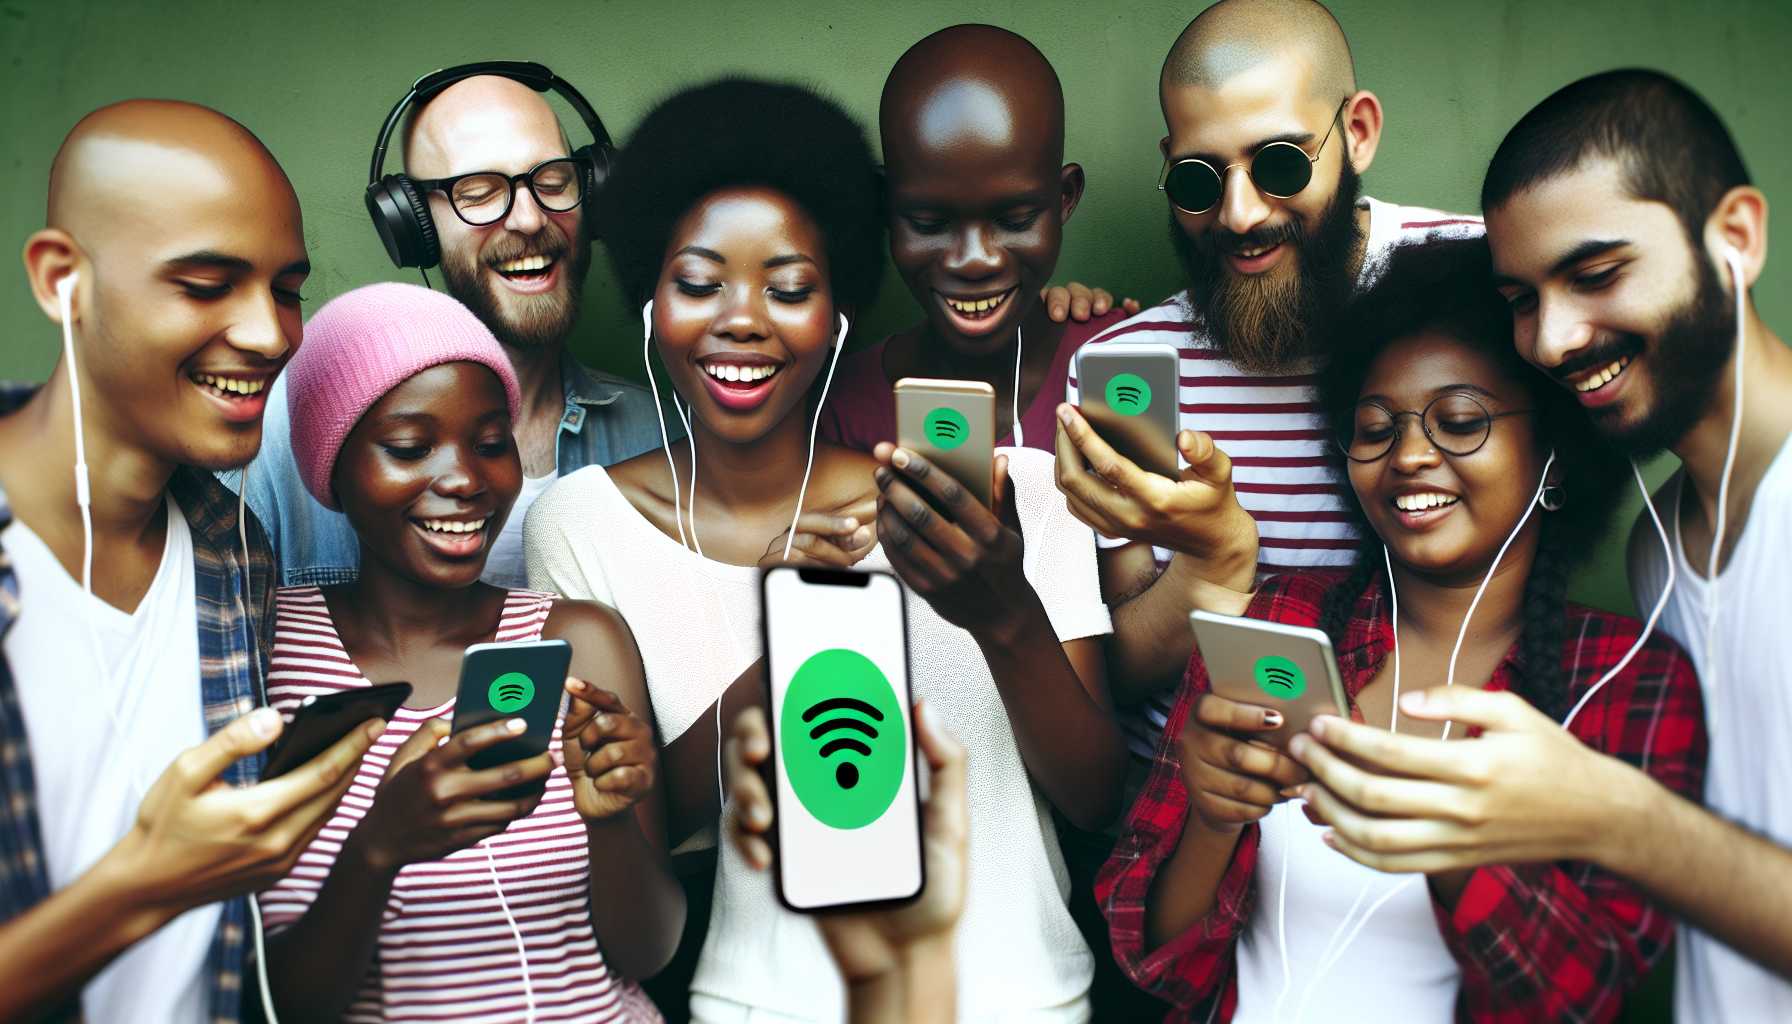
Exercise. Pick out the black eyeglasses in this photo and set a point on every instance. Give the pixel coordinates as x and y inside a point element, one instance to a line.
<point>1455,423</point>
<point>1278,169</point>
<point>484,197</point>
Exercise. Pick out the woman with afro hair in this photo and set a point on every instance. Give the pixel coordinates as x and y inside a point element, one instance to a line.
<point>1463,464</point>
<point>744,219</point>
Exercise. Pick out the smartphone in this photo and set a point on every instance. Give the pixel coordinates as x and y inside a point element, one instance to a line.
<point>525,679</point>
<point>848,804</point>
<point>1289,668</point>
<point>322,719</point>
<point>953,424</point>
<point>1131,393</point>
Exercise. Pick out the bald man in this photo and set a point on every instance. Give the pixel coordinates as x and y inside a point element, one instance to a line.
<point>1267,135</point>
<point>972,123</point>
<point>132,821</point>
<point>523,276</point>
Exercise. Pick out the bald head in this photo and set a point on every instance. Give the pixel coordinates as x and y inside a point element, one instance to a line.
<point>972,86</point>
<point>123,162</point>
<point>450,128</point>
<point>1235,36</point>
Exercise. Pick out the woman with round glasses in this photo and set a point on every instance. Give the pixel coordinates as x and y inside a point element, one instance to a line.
<point>1465,465</point>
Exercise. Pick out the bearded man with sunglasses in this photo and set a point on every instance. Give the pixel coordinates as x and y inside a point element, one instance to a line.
<point>1267,135</point>
<point>507,204</point>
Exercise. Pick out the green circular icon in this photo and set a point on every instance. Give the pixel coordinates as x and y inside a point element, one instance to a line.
<point>1128,394</point>
<point>1279,677</point>
<point>510,692</point>
<point>845,746</point>
<point>945,428</point>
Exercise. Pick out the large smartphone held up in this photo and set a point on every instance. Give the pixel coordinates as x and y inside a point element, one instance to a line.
<point>322,719</point>
<point>525,679</point>
<point>1288,668</point>
<point>1131,393</point>
<point>952,424</point>
<point>843,739</point>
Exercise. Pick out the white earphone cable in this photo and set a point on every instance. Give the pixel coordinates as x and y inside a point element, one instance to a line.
<point>522,951</point>
<point>1734,260</point>
<point>1020,436</point>
<point>814,426</point>
<point>660,417</point>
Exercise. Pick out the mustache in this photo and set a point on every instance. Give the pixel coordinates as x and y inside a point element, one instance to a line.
<point>512,247</point>
<point>1605,349</point>
<point>1221,241</point>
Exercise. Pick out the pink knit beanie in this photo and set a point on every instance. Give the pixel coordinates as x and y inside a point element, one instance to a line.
<point>365,343</point>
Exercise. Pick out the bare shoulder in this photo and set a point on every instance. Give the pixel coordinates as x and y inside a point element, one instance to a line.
<point>843,477</point>
<point>603,649</point>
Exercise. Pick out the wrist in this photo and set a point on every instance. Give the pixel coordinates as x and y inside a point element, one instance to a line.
<point>121,883</point>
<point>1016,624</point>
<point>1621,826</point>
<point>362,854</point>
<point>604,831</point>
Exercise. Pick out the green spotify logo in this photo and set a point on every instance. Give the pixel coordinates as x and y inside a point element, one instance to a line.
<point>844,744</point>
<point>510,692</point>
<point>945,428</point>
<point>1128,394</point>
<point>1279,677</point>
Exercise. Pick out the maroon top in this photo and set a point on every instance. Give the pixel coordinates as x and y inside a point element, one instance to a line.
<point>861,410</point>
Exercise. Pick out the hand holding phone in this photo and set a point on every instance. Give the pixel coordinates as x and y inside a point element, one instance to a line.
<point>951,423</point>
<point>323,719</point>
<point>1130,392</point>
<point>1233,776</point>
<point>524,680</point>
<point>608,751</point>
<point>863,943</point>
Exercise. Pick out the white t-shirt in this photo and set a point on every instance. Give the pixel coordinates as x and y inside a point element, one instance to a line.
<point>1271,426</point>
<point>91,777</point>
<point>1019,954</point>
<point>1745,675</point>
<point>1396,968</point>
<point>504,565</point>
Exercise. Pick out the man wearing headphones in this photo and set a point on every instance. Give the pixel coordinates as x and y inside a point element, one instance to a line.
<point>494,193</point>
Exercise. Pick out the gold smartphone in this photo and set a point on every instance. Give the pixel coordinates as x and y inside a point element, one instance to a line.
<point>1130,392</point>
<point>953,424</point>
<point>1273,665</point>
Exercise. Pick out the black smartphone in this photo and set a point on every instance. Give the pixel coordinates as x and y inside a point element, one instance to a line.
<point>322,719</point>
<point>525,680</point>
<point>848,805</point>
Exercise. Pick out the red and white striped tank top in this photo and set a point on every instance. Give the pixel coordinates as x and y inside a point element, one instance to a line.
<point>445,950</point>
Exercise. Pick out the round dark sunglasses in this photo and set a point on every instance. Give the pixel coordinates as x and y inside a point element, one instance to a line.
<point>1278,169</point>
<point>1454,423</point>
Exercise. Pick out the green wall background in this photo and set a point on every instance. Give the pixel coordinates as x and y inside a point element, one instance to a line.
<point>315,79</point>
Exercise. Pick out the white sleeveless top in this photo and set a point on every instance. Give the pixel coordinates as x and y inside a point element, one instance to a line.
<point>1395,968</point>
<point>1019,954</point>
<point>446,951</point>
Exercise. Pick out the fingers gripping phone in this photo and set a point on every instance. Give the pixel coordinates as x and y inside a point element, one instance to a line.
<point>952,424</point>
<point>1288,668</point>
<point>322,719</point>
<point>847,799</point>
<point>525,679</point>
<point>1131,393</point>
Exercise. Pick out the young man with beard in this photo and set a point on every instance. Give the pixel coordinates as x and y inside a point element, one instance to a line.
<point>1257,95</point>
<point>131,823</point>
<point>1614,210</point>
<point>522,275</point>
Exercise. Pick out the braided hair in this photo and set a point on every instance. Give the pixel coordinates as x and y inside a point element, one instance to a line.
<point>1446,287</point>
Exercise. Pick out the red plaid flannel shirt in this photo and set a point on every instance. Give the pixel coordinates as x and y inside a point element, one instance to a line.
<point>1555,942</point>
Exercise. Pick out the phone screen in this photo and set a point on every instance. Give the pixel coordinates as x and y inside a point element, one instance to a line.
<point>1130,393</point>
<point>848,808</point>
<point>523,679</point>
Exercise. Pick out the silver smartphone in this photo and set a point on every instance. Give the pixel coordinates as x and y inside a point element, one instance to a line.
<point>952,424</point>
<point>1131,392</point>
<point>1288,668</point>
<point>846,791</point>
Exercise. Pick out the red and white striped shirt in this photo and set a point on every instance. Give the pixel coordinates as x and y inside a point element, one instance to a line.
<point>445,950</point>
<point>1272,428</point>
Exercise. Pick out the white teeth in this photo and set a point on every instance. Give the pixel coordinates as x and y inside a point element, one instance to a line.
<point>977,305</point>
<point>1251,254</point>
<point>1422,502</point>
<point>454,525</point>
<point>231,385</point>
<point>524,264</point>
<point>738,372</point>
<point>1600,378</point>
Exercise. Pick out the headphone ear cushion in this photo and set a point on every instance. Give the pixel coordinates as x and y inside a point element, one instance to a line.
<point>596,162</point>
<point>429,249</point>
<point>401,217</point>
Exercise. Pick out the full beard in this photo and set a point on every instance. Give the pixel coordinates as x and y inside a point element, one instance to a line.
<point>1684,362</point>
<point>1271,323</point>
<point>543,320</point>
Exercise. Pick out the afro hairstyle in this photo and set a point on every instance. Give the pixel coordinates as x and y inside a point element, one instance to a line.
<point>738,133</point>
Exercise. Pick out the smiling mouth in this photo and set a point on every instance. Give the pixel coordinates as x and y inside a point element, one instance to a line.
<point>1593,380</point>
<point>979,309</point>
<point>453,538</point>
<point>741,376</point>
<point>526,269</point>
<point>230,388</point>
<point>1425,502</point>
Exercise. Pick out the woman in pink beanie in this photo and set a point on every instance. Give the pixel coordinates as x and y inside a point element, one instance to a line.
<point>426,897</point>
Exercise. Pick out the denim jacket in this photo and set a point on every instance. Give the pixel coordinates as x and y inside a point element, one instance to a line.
<point>607,419</point>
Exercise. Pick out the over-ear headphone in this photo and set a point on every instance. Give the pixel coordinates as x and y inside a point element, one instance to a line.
<point>401,212</point>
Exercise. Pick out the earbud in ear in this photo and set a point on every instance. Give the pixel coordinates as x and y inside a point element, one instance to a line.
<point>647,316</point>
<point>65,288</point>
<point>1733,257</point>
<point>840,338</point>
